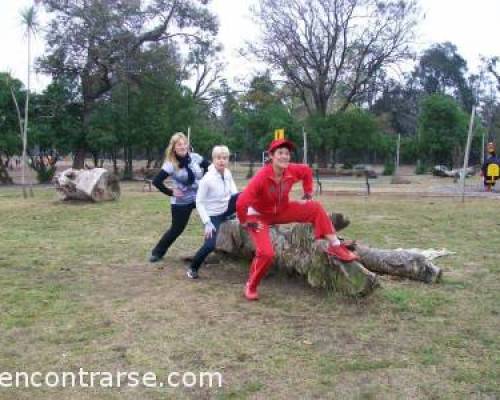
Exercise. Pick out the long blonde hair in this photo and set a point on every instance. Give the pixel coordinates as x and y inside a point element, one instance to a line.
<point>170,152</point>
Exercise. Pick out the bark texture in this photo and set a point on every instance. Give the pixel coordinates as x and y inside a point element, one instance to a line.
<point>89,185</point>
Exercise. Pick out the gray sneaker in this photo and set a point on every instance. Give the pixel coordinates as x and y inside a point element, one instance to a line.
<point>154,258</point>
<point>192,273</point>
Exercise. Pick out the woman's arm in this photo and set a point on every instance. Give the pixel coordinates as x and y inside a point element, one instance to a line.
<point>201,196</point>
<point>305,174</point>
<point>247,198</point>
<point>158,183</point>
<point>233,189</point>
<point>204,164</point>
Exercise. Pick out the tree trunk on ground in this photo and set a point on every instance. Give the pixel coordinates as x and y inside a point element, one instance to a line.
<point>404,263</point>
<point>91,185</point>
<point>297,253</point>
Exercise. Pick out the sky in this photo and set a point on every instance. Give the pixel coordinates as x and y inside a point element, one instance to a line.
<point>473,26</point>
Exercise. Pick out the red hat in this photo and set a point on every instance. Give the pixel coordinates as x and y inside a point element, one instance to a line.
<point>280,143</point>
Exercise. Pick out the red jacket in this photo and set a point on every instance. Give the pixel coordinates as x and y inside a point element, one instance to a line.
<point>267,196</point>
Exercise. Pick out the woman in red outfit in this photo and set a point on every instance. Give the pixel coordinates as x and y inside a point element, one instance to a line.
<point>265,201</point>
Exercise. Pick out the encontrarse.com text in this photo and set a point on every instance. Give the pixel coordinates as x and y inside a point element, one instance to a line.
<point>94,379</point>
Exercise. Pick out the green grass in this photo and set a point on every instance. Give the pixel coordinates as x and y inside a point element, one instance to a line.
<point>77,291</point>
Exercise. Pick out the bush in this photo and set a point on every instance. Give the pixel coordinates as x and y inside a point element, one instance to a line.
<point>45,175</point>
<point>389,168</point>
<point>421,168</point>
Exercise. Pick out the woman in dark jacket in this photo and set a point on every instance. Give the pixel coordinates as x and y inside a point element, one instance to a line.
<point>185,169</point>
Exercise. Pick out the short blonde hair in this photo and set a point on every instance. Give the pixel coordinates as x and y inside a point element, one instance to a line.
<point>170,152</point>
<point>220,150</point>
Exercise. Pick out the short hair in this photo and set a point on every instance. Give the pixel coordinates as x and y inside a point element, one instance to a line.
<point>220,150</point>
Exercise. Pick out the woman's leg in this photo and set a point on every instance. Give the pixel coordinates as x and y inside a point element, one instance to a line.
<point>313,212</point>
<point>208,246</point>
<point>264,255</point>
<point>180,218</point>
<point>231,206</point>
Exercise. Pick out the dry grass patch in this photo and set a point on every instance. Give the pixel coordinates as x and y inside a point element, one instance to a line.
<point>77,291</point>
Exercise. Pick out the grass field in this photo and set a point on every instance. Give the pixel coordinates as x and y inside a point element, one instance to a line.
<point>77,292</point>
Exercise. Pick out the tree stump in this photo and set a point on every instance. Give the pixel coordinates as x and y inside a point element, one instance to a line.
<point>96,184</point>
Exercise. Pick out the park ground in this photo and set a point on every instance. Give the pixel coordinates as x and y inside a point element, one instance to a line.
<point>77,291</point>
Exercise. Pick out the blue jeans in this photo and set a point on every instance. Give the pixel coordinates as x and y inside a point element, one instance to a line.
<point>209,244</point>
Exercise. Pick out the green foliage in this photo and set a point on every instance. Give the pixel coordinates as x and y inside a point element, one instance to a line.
<point>389,168</point>
<point>354,133</point>
<point>46,175</point>
<point>442,70</point>
<point>442,127</point>
<point>408,151</point>
<point>421,168</point>
<point>250,119</point>
<point>10,139</point>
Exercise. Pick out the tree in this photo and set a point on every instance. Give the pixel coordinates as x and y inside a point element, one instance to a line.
<point>330,50</point>
<point>442,70</point>
<point>351,135</point>
<point>97,41</point>
<point>492,68</point>
<point>10,130</point>
<point>442,130</point>
<point>255,114</point>
<point>397,107</point>
<point>28,17</point>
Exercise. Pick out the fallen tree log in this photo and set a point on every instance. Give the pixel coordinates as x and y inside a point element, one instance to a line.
<point>96,184</point>
<point>298,253</point>
<point>403,263</point>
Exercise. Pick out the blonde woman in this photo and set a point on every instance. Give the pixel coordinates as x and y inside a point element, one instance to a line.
<point>215,202</point>
<point>185,169</point>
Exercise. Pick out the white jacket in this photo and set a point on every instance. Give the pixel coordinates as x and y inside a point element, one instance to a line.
<point>214,193</point>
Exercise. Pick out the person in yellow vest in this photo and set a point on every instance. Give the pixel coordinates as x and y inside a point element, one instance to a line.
<point>491,167</point>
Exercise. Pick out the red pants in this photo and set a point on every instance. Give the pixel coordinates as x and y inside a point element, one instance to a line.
<point>309,212</point>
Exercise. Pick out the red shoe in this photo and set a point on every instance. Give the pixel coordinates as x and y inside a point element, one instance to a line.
<point>251,293</point>
<point>342,253</point>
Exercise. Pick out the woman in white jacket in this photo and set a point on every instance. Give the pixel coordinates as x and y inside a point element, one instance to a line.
<point>215,202</point>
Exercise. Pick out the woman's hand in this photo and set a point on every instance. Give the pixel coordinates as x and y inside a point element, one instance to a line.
<point>178,192</point>
<point>256,226</point>
<point>209,230</point>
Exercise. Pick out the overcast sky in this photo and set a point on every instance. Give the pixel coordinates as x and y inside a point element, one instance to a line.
<point>473,26</point>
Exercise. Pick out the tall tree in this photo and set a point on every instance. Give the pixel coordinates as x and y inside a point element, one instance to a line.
<point>10,130</point>
<point>442,130</point>
<point>96,41</point>
<point>442,70</point>
<point>330,50</point>
<point>28,18</point>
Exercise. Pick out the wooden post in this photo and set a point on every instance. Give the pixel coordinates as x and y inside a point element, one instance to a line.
<point>304,134</point>
<point>397,154</point>
<point>467,151</point>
